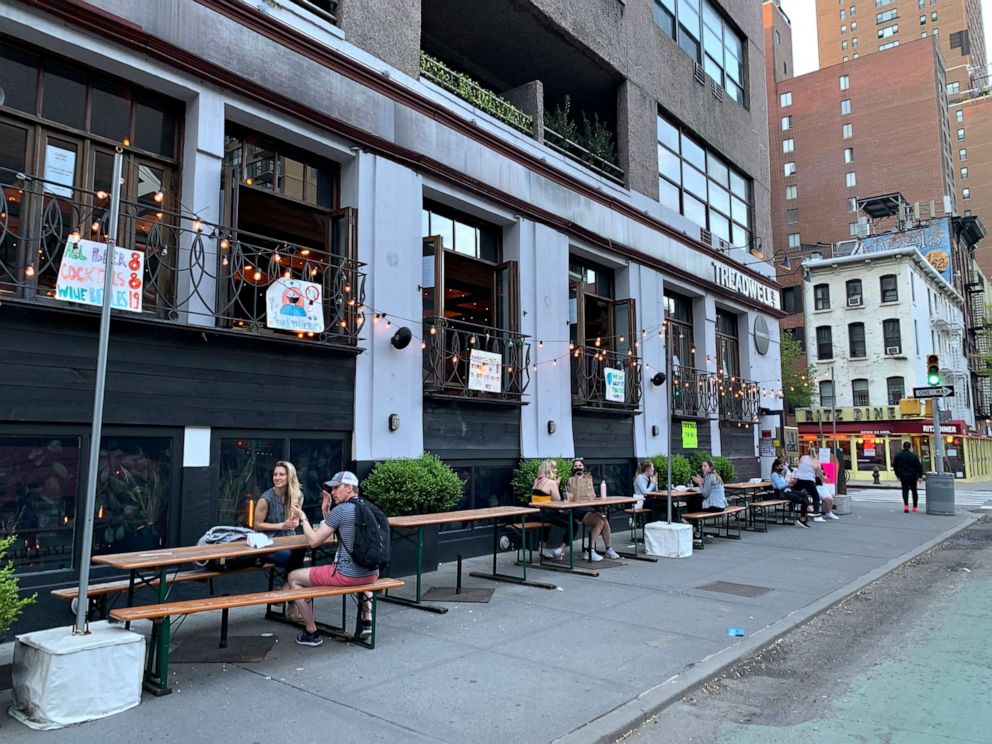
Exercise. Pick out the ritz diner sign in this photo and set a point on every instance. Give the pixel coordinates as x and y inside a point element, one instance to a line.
<point>844,415</point>
<point>747,286</point>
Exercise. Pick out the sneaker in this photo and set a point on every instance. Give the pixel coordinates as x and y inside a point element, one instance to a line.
<point>818,518</point>
<point>914,508</point>
<point>905,510</point>
<point>801,524</point>
<point>545,553</point>
<point>591,555</point>
<point>365,631</point>
<point>309,639</point>
<point>612,554</point>
<point>831,515</point>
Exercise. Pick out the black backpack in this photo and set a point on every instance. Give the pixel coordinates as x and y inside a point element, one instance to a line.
<point>370,548</point>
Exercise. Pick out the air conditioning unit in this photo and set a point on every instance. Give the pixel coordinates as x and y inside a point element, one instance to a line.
<point>893,350</point>
<point>717,91</point>
<point>854,301</point>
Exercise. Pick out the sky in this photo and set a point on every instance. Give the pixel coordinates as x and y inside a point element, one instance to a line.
<point>802,13</point>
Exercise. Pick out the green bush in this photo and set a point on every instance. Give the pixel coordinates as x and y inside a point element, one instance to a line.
<point>11,602</point>
<point>526,473</point>
<point>724,468</point>
<point>681,470</point>
<point>420,485</point>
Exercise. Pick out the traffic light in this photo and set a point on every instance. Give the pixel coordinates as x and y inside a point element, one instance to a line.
<point>933,370</point>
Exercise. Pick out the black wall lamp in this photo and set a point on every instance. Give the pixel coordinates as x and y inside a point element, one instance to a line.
<point>401,339</point>
<point>552,427</point>
<point>659,379</point>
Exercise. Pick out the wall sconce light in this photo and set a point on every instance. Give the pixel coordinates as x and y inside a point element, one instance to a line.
<point>659,379</point>
<point>552,427</point>
<point>401,339</point>
<point>655,430</point>
<point>394,421</point>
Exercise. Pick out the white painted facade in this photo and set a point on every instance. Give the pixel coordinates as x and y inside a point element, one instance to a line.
<point>931,320</point>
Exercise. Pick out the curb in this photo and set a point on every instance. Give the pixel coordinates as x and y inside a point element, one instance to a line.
<point>628,716</point>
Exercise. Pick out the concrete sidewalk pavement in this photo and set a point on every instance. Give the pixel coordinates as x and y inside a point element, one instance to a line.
<point>580,664</point>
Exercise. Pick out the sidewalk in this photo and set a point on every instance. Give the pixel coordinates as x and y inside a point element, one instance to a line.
<point>581,664</point>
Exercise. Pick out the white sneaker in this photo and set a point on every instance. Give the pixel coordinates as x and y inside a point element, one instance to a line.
<point>612,554</point>
<point>591,555</point>
<point>545,553</point>
<point>831,515</point>
<point>818,518</point>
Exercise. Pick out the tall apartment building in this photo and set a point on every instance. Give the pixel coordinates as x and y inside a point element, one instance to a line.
<point>370,229</point>
<point>850,30</point>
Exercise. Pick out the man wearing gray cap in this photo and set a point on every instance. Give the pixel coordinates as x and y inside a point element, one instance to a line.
<point>339,519</point>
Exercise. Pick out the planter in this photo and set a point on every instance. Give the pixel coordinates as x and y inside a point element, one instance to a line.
<point>403,552</point>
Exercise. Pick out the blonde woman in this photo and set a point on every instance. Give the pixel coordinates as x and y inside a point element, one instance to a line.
<point>545,489</point>
<point>274,512</point>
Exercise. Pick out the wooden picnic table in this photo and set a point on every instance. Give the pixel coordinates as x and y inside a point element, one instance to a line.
<point>609,503</point>
<point>413,526</point>
<point>747,491</point>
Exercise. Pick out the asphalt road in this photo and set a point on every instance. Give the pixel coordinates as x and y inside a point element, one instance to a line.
<point>906,660</point>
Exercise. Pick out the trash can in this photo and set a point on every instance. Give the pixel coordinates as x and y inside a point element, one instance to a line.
<point>940,494</point>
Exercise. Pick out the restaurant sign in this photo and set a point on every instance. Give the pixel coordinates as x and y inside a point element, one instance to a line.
<point>732,279</point>
<point>857,413</point>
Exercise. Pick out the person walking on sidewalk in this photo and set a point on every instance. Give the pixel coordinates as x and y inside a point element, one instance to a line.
<point>908,470</point>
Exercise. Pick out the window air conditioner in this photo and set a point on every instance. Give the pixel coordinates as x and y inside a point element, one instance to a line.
<point>854,301</point>
<point>893,350</point>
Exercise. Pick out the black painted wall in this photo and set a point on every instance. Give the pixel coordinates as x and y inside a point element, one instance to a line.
<point>705,441</point>
<point>598,435</point>
<point>463,430</point>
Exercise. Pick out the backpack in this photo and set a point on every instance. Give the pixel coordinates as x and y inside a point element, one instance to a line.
<point>370,548</point>
<point>224,534</point>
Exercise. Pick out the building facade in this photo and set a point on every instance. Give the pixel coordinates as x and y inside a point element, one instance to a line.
<point>355,241</point>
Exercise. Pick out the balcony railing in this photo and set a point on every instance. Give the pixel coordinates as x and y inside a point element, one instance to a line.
<point>695,393</point>
<point>195,273</point>
<point>452,370</point>
<point>327,9</point>
<point>596,385</point>
<point>740,399</point>
<point>575,151</point>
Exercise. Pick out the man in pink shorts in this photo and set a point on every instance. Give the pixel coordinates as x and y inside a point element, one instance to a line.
<point>343,572</point>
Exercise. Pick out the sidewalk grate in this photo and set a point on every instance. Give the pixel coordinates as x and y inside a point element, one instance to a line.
<point>738,590</point>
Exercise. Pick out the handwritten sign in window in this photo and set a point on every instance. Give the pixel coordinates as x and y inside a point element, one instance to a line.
<point>82,272</point>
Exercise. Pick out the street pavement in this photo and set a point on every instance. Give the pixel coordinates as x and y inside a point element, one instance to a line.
<point>583,663</point>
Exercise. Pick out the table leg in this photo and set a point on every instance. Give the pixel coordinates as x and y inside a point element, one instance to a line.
<point>494,576</point>
<point>416,603</point>
<point>157,668</point>
<point>634,556</point>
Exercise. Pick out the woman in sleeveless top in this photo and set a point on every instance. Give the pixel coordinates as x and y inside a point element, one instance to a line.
<point>545,489</point>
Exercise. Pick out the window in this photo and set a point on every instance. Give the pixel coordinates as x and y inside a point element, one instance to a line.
<point>961,134</point>
<point>967,213</point>
<point>851,179</point>
<point>892,338</point>
<point>678,312</point>
<point>704,35</point>
<point>856,343</point>
<point>895,389</point>
<point>965,193</point>
<point>890,288</point>
<point>859,390</point>
<point>843,29</point>
<point>853,291</point>
<point>843,44</point>
<point>852,204</point>
<point>845,58</point>
<point>856,54</point>
<point>854,25</point>
<point>848,154</point>
<point>852,228</point>
<point>778,37</point>
<point>827,399</point>
<point>821,297</point>
<point>785,99</point>
<point>824,343</point>
<point>843,14</point>
<point>886,16</point>
<point>853,10</point>
<point>933,16</point>
<point>845,107</point>
<point>847,131</point>
<point>923,21</point>
<point>889,45</point>
<point>789,168</point>
<point>702,186</point>
<point>728,358</point>
<point>793,240</point>
<point>792,216</point>
<point>788,145</point>
<point>845,82</point>
<point>792,299</point>
<point>798,335</point>
<point>786,123</point>
<point>963,153</point>
<point>791,192</point>
<point>964,174</point>
<point>959,116</point>
<point>953,88</point>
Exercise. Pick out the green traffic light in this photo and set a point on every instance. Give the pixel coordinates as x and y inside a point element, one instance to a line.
<point>933,379</point>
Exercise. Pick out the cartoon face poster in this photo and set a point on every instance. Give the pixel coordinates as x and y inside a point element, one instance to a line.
<point>294,305</point>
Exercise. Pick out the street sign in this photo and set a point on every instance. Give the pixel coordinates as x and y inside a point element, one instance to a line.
<point>944,391</point>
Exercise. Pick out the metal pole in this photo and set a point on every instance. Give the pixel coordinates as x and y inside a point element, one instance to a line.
<point>101,378</point>
<point>938,438</point>
<point>671,418</point>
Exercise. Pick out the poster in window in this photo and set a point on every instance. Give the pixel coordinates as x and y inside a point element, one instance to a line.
<point>615,384</point>
<point>60,170</point>
<point>485,371</point>
<point>690,436</point>
<point>81,275</point>
<point>294,305</point>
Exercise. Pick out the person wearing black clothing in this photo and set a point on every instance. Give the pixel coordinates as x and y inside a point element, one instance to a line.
<point>908,470</point>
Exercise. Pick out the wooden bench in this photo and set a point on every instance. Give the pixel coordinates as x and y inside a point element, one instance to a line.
<point>157,663</point>
<point>779,505</point>
<point>699,520</point>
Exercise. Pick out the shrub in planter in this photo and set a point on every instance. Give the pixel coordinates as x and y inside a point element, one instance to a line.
<point>419,485</point>
<point>11,603</point>
<point>724,468</point>
<point>681,470</point>
<point>526,473</point>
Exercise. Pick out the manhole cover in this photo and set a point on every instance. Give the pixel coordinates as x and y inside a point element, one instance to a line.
<point>739,590</point>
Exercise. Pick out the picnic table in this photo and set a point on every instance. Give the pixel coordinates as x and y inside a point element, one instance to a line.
<point>745,491</point>
<point>412,527</point>
<point>610,503</point>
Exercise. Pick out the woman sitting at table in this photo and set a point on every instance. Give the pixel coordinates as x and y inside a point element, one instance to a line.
<point>782,482</point>
<point>645,484</point>
<point>274,513</point>
<point>545,489</point>
<point>580,488</point>
<point>711,496</point>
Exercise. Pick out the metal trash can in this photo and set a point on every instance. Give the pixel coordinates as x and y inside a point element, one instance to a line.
<point>940,494</point>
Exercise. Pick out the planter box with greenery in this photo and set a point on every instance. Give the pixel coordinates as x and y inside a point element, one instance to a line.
<point>11,602</point>
<point>421,485</point>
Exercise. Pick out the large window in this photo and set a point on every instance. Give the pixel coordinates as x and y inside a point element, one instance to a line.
<point>821,297</point>
<point>892,336</point>
<point>827,399</point>
<point>895,389</point>
<point>856,341</point>
<point>728,357</point>
<point>678,313</point>
<point>708,38</point>
<point>824,343</point>
<point>701,185</point>
<point>859,391</point>
<point>853,291</point>
<point>792,299</point>
<point>889,286</point>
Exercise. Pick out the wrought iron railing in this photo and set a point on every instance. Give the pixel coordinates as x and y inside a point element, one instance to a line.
<point>595,383</point>
<point>451,369</point>
<point>467,89</point>
<point>695,393</point>
<point>195,273</point>
<point>575,151</point>
<point>327,9</point>
<point>740,399</point>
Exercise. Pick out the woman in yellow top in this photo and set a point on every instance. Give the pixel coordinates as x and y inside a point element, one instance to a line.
<point>545,489</point>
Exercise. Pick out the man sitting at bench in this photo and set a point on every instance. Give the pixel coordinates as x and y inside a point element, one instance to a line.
<point>711,496</point>
<point>343,572</point>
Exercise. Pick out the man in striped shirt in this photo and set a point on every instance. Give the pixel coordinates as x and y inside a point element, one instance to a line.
<point>339,490</point>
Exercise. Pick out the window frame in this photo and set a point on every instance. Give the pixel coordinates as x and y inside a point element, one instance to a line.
<point>860,387</point>
<point>856,341</point>
<point>821,299</point>
<point>824,343</point>
<point>893,289</point>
